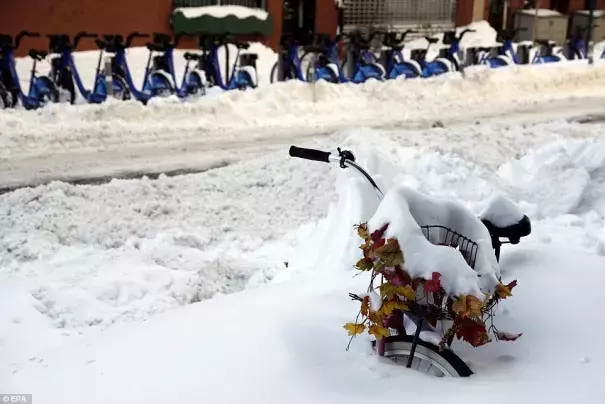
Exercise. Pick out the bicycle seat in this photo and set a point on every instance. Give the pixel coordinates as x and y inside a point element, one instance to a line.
<point>432,40</point>
<point>101,44</point>
<point>37,55</point>
<point>314,49</point>
<point>513,232</point>
<point>155,47</point>
<point>191,56</point>
<point>544,42</point>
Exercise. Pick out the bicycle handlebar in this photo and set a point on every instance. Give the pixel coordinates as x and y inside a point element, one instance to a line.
<point>81,35</point>
<point>23,34</point>
<point>134,35</point>
<point>309,154</point>
<point>345,158</point>
<point>466,31</point>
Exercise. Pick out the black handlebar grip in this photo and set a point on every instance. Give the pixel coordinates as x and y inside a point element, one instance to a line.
<point>309,154</point>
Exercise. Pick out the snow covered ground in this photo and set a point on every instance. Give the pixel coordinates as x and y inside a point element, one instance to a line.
<point>79,259</point>
<point>126,291</point>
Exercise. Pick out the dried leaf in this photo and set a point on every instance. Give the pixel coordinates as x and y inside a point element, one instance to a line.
<point>378,331</point>
<point>354,329</point>
<point>390,253</point>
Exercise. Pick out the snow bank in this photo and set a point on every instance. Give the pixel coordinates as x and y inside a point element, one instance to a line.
<point>281,107</point>
<point>463,165</point>
<point>542,12</point>
<point>223,11</point>
<point>294,347</point>
<point>86,257</point>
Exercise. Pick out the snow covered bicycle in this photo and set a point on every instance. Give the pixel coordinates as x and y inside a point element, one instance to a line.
<point>409,310</point>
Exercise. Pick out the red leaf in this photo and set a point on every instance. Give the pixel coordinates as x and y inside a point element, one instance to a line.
<point>433,285</point>
<point>377,235</point>
<point>379,243</point>
<point>472,332</point>
<point>511,285</point>
<point>507,336</point>
<point>398,277</point>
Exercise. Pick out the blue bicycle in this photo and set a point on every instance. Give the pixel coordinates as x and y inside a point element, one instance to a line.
<point>328,67</point>
<point>41,88</point>
<point>155,83</point>
<point>447,63</point>
<point>291,49</point>
<point>393,59</point>
<point>241,76</point>
<point>191,84</point>
<point>66,77</point>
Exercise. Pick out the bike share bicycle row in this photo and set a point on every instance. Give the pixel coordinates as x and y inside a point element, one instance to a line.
<point>317,57</point>
<point>113,76</point>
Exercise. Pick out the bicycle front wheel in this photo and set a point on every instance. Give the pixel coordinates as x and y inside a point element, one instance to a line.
<point>427,358</point>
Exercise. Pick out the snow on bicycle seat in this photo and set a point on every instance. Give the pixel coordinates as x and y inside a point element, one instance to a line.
<point>545,42</point>
<point>242,45</point>
<point>503,219</point>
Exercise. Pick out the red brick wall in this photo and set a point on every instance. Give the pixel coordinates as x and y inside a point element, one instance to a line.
<point>326,17</point>
<point>73,16</point>
<point>464,12</point>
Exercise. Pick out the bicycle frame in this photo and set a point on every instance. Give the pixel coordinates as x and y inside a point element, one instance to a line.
<point>39,87</point>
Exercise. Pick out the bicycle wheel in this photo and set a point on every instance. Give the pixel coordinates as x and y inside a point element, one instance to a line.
<point>427,357</point>
<point>5,98</point>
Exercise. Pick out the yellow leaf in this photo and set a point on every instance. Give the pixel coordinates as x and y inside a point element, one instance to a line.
<point>389,291</point>
<point>364,264</point>
<point>390,253</point>
<point>406,291</point>
<point>468,306</point>
<point>354,329</point>
<point>391,305</point>
<point>378,331</point>
<point>503,291</point>
<point>365,306</point>
<point>362,231</point>
<point>459,306</point>
<point>474,306</point>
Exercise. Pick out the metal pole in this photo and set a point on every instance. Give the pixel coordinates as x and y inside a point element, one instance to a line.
<point>589,32</point>
<point>535,25</point>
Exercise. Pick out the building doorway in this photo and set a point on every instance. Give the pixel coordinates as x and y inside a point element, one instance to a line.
<point>299,17</point>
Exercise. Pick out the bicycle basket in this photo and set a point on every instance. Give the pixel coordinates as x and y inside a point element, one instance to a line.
<point>441,235</point>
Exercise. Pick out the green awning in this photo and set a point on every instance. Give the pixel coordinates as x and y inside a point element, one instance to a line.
<point>216,20</point>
